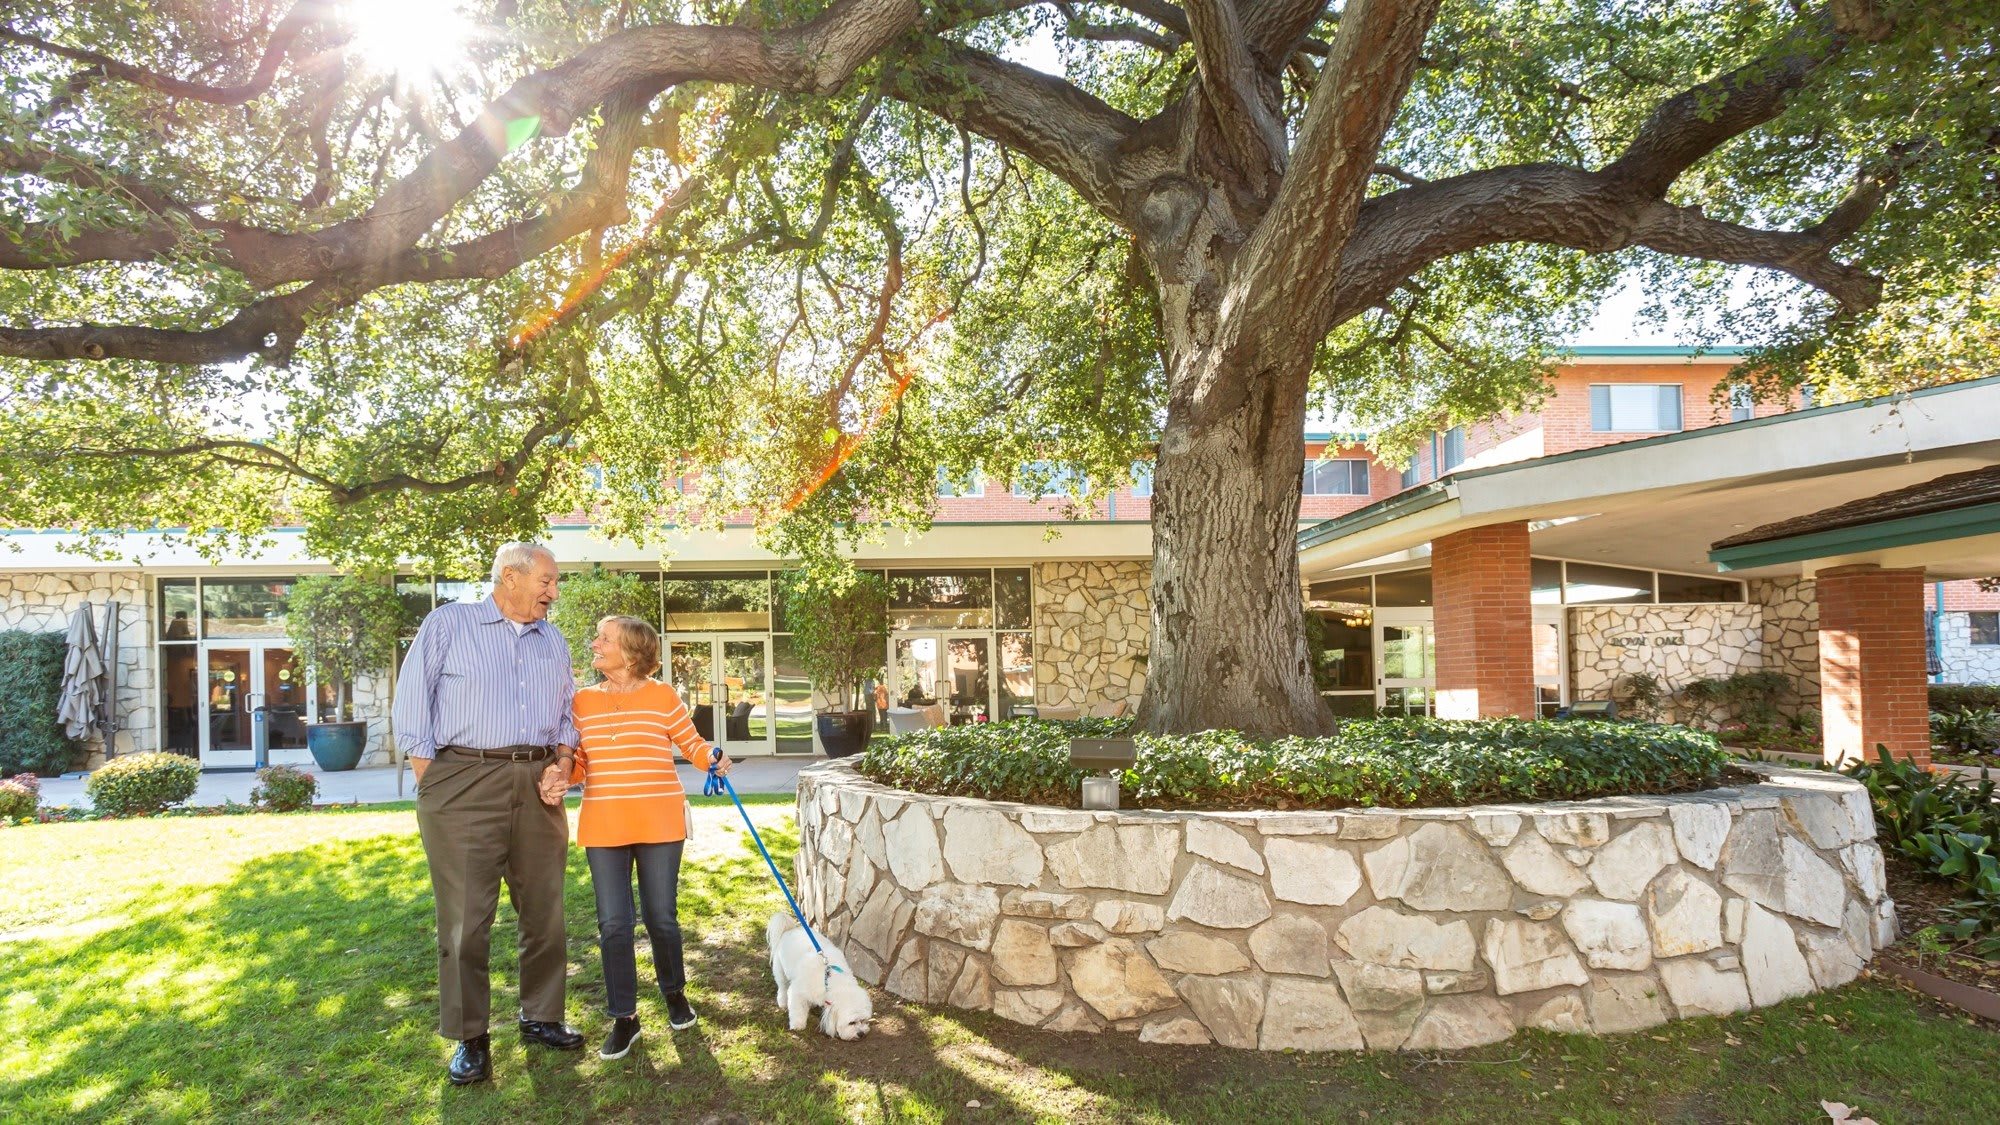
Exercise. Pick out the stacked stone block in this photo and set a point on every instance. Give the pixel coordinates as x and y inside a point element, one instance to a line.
<point>1093,629</point>
<point>1380,929</point>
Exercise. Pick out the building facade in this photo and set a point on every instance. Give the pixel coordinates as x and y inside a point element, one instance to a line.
<point>1006,606</point>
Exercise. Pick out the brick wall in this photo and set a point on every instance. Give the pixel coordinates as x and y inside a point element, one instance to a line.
<point>1962,596</point>
<point>1485,623</point>
<point>1872,662</point>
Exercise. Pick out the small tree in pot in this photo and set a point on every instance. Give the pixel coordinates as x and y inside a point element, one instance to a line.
<point>839,625</point>
<point>342,627</point>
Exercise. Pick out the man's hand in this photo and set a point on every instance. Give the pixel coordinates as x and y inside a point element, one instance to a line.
<point>418,766</point>
<point>555,782</point>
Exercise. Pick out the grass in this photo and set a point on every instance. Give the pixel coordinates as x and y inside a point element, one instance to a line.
<point>278,967</point>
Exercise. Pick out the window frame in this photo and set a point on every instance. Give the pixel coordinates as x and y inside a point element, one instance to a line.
<point>1972,630</point>
<point>947,488</point>
<point>1609,414</point>
<point>1306,482</point>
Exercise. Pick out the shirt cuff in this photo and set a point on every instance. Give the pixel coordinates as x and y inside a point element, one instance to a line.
<point>417,748</point>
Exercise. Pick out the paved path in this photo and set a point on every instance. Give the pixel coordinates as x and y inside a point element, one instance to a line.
<point>378,784</point>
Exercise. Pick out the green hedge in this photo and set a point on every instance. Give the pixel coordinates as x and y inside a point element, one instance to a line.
<point>1962,697</point>
<point>1394,763</point>
<point>31,740</point>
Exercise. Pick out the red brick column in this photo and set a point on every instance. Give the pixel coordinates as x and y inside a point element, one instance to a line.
<point>1871,663</point>
<point>1485,623</point>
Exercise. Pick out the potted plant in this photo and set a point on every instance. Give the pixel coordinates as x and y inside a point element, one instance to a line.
<point>839,623</point>
<point>342,627</point>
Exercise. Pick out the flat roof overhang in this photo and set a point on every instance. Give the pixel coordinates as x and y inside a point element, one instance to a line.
<point>1658,503</point>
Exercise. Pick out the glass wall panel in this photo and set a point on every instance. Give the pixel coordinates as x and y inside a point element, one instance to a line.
<point>941,599</point>
<point>700,602</point>
<point>690,668</point>
<point>917,661</point>
<point>1409,652</point>
<point>249,607</point>
<point>1590,584</point>
<point>1692,588</point>
<point>180,685</point>
<point>462,590</point>
<point>969,678</point>
<point>178,609</point>
<point>1350,705</point>
<point>1342,594</point>
<point>791,692</point>
<point>1403,588</point>
<point>1545,580</point>
<point>1017,672</point>
<point>415,594</point>
<point>1347,653</point>
<point>1014,599</point>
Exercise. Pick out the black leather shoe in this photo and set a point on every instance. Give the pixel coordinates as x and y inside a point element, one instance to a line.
<point>550,1035</point>
<point>472,1062</point>
<point>680,1014</point>
<point>624,1032</point>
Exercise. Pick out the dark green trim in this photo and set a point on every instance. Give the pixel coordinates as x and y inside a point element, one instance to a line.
<point>1930,527</point>
<point>1371,515</point>
<point>1405,503</point>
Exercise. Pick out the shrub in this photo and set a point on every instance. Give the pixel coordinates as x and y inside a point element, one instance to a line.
<point>1401,763</point>
<point>20,796</point>
<point>1960,697</point>
<point>284,789</point>
<point>1974,730</point>
<point>592,596</point>
<point>31,739</point>
<point>837,621</point>
<point>343,626</point>
<point>142,783</point>
<point>1947,824</point>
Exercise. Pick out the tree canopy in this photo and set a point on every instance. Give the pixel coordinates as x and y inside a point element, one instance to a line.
<point>418,275</point>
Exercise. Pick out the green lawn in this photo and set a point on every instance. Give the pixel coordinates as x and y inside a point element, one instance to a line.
<point>280,968</point>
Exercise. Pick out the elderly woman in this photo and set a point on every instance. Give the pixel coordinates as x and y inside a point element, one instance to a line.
<point>635,817</point>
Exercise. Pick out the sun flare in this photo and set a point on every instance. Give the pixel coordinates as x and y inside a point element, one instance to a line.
<point>408,39</point>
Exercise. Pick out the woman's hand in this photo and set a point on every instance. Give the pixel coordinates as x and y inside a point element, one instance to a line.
<point>555,782</point>
<point>721,763</point>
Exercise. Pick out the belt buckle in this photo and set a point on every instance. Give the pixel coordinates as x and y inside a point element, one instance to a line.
<point>521,755</point>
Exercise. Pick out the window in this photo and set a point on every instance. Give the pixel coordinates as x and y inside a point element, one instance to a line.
<point>1635,408</point>
<point>1142,480</point>
<point>1013,598</point>
<point>1985,628</point>
<point>1346,476</point>
<point>1693,588</point>
<point>972,484</point>
<point>1742,403</point>
<point>941,599</point>
<point>245,607</point>
<point>1808,396</point>
<point>1414,475</point>
<point>1454,448</point>
<point>1039,480</point>
<point>1592,584</point>
<point>701,602</point>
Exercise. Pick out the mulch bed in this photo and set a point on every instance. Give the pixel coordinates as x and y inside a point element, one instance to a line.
<point>1920,902</point>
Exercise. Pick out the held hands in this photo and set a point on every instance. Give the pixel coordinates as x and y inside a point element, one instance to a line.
<point>721,763</point>
<point>555,782</point>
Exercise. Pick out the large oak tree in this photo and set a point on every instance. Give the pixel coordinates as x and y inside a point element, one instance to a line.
<point>417,275</point>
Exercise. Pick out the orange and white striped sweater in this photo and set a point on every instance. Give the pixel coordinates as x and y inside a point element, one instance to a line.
<point>631,793</point>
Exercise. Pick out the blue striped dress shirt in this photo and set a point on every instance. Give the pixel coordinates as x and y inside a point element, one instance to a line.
<point>473,679</point>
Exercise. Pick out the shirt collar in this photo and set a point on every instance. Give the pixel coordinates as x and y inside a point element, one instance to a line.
<point>489,614</point>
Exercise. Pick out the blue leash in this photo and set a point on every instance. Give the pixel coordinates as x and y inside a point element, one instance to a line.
<point>717,785</point>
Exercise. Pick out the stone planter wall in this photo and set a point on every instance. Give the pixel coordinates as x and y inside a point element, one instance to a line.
<point>1419,930</point>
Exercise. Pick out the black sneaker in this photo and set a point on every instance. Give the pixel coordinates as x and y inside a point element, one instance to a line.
<point>679,1013</point>
<point>624,1033</point>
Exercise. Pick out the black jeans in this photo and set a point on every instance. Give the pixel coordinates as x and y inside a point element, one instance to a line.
<point>659,886</point>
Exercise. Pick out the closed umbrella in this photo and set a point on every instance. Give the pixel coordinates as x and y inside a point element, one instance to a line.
<point>83,669</point>
<point>107,710</point>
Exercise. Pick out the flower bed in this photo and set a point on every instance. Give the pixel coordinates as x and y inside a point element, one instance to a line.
<point>1385,763</point>
<point>1419,929</point>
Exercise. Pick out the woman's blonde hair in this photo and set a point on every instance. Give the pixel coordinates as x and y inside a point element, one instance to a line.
<point>638,641</point>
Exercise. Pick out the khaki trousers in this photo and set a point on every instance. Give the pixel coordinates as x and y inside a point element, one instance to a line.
<point>481,822</point>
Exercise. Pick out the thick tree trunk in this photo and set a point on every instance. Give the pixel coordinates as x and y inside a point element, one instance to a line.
<point>1228,648</point>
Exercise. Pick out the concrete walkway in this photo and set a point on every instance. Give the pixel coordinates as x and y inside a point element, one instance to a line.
<point>378,784</point>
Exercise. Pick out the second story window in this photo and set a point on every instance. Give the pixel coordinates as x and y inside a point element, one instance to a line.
<point>1742,404</point>
<point>1454,448</point>
<point>972,484</point>
<point>1342,477</point>
<point>1635,408</point>
<point>1142,479</point>
<point>1054,480</point>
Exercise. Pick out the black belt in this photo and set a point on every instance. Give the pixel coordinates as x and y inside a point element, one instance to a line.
<point>505,753</point>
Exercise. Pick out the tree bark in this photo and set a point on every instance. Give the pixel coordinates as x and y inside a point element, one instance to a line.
<point>1228,649</point>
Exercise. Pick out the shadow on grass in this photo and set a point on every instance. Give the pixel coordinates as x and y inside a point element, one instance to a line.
<point>304,989</point>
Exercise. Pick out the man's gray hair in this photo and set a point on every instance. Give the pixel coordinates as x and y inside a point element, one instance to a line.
<point>518,556</point>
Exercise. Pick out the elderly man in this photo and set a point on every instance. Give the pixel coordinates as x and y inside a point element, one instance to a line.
<point>483,711</point>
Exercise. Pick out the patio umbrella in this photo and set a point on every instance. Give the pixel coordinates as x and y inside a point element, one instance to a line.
<point>107,710</point>
<point>83,668</point>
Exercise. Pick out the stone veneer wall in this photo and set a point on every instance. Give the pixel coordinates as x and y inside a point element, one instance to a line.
<point>1713,640</point>
<point>1791,632</point>
<point>1093,629</point>
<point>1964,662</point>
<point>1413,929</point>
<point>43,602</point>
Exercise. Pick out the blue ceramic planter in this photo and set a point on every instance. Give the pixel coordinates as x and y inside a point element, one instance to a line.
<point>337,746</point>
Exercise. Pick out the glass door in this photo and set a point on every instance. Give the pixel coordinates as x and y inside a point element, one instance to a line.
<point>955,669</point>
<point>239,681</point>
<point>1551,661</point>
<point>725,682</point>
<point>1406,661</point>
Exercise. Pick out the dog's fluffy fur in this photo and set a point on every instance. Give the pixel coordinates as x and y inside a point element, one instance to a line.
<point>804,982</point>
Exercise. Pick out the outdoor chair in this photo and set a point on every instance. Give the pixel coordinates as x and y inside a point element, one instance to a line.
<point>907,720</point>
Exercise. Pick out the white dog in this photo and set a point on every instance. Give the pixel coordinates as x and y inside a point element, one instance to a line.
<point>808,980</point>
